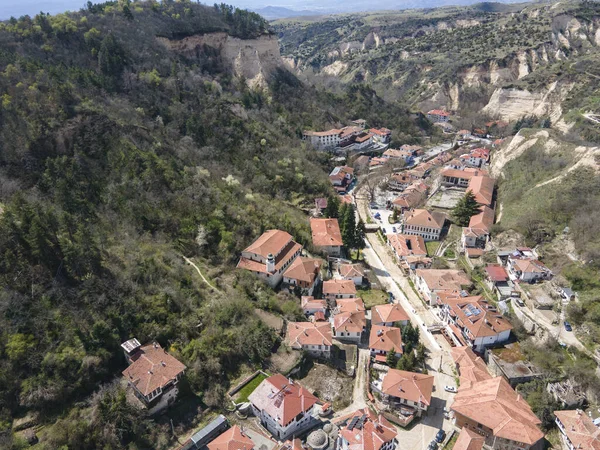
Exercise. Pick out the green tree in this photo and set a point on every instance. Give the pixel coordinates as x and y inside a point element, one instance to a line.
<point>332,210</point>
<point>466,208</point>
<point>348,227</point>
<point>391,359</point>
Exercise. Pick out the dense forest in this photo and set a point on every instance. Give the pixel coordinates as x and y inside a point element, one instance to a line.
<point>117,158</point>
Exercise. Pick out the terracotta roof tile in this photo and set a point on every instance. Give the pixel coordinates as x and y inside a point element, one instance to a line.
<point>385,338</point>
<point>271,241</point>
<point>350,322</point>
<point>391,312</point>
<point>580,429</point>
<point>332,287</point>
<point>468,440</point>
<point>304,269</point>
<point>326,232</point>
<point>415,387</point>
<point>308,333</point>
<point>232,439</point>
<point>424,218</point>
<point>372,435</point>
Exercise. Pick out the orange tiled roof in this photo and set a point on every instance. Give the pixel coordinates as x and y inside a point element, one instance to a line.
<point>391,312</point>
<point>285,255</point>
<point>408,245</point>
<point>374,433</point>
<point>351,270</point>
<point>353,322</point>
<point>326,232</point>
<point>332,287</point>
<point>471,368</point>
<point>308,333</point>
<point>385,338</point>
<point>473,313</point>
<point>580,429</point>
<point>424,218</point>
<point>444,279</point>
<point>271,241</point>
<point>482,188</point>
<point>152,368</point>
<point>438,112</point>
<point>349,304</point>
<point>415,387</point>
<point>309,302</point>
<point>304,269</point>
<point>281,398</point>
<point>468,440</point>
<point>484,220</point>
<point>495,405</point>
<point>232,439</point>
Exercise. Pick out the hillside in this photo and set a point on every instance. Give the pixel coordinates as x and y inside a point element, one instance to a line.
<point>131,136</point>
<point>505,61</point>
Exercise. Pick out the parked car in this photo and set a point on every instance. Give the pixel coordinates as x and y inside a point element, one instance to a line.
<point>451,389</point>
<point>394,229</point>
<point>568,326</point>
<point>377,216</point>
<point>433,445</point>
<point>440,436</point>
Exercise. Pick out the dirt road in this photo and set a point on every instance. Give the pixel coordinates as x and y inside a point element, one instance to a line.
<point>359,400</point>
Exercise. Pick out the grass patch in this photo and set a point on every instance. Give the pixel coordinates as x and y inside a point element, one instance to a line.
<point>450,253</point>
<point>373,297</point>
<point>244,393</point>
<point>432,247</point>
<point>356,256</point>
<point>450,444</point>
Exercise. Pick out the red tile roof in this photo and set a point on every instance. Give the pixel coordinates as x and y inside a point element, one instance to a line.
<point>385,339</point>
<point>308,333</point>
<point>351,270</point>
<point>495,405</point>
<point>349,304</point>
<point>408,245</point>
<point>438,112</point>
<point>483,221</point>
<point>424,218</point>
<point>473,313</point>
<point>326,232</point>
<point>496,273</point>
<point>281,398</point>
<point>391,312</point>
<point>232,439</point>
<point>152,368</point>
<point>483,189</point>
<point>580,429</point>
<point>468,440</point>
<point>471,368</point>
<point>304,269</point>
<point>415,387</point>
<point>332,287</point>
<point>309,302</point>
<point>271,241</point>
<point>350,322</point>
<point>374,433</point>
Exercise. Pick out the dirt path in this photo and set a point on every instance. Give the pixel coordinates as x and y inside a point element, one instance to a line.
<point>190,262</point>
<point>360,385</point>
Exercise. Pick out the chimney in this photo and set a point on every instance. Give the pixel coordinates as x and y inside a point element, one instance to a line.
<point>379,332</point>
<point>164,364</point>
<point>155,345</point>
<point>270,263</point>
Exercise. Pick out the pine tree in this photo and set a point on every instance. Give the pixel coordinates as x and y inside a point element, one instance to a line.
<point>391,359</point>
<point>466,208</point>
<point>360,235</point>
<point>348,227</point>
<point>332,210</point>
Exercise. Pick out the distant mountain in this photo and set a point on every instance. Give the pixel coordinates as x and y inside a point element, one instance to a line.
<point>279,12</point>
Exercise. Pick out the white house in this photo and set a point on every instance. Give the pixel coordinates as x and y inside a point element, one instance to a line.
<point>438,115</point>
<point>310,305</point>
<point>270,256</point>
<point>303,273</point>
<point>326,236</point>
<point>423,223</point>
<point>384,340</point>
<point>528,270</point>
<point>312,337</point>
<point>354,272</point>
<point>430,282</point>
<point>323,139</point>
<point>406,392</point>
<point>283,407</point>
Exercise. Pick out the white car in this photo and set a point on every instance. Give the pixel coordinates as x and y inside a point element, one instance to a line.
<point>451,389</point>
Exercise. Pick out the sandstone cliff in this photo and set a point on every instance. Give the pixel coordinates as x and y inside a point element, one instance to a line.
<point>252,59</point>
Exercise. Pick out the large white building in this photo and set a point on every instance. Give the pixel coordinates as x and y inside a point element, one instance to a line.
<point>323,139</point>
<point>420,222</point>
<point>270,255</point>
<point>283,407</point>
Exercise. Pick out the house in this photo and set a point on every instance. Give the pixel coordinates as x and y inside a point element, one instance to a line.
<point>270,256</point>
<point>232,439</point>
<point>415,150</point>
<point>405,245</point>
<point>361,163</point>
<point>464,135</point>
<point>482,188</point>
<point>311,337</point>
<point>460,178</point>
<point>311,306</point>
<point>468,440</point>
<point>354,272</point>
<point>349,135</point>
<point>363,430</point>
<point>577,430</point>
<point>476,157</point>
<point>432,281</point>
<point>477,233</point>
<point>377,162</point>
<point>323,139</point>
<point>505,362</point>
<point>406,392</point>
<point>363,140</point>
<point>333,289</point>
<point>400,181</point>
<point>470,367</point>
<point>528,270</point>
<point>412,197</point>
<point>283,407</point>
<point>326,236</point>
<point>401,155</point>
<point>349,325</point>
<point>389,315</point>
<point>438,115</point>
<point>495,411</point>
<point>303,273</point>
<point>423,223</point>
<point>349,305</point>
<point>341,178</point>
<point>381,135</point>
<point>384,340</point>
<point>474,322</point>
<point>416,262</point>
<point>153,374</point>
<point>497,280</point>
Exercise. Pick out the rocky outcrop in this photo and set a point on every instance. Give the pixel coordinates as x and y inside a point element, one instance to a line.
<point>252,59</point>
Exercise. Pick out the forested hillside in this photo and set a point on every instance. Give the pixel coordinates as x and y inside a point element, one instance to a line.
<point>117,157</point>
